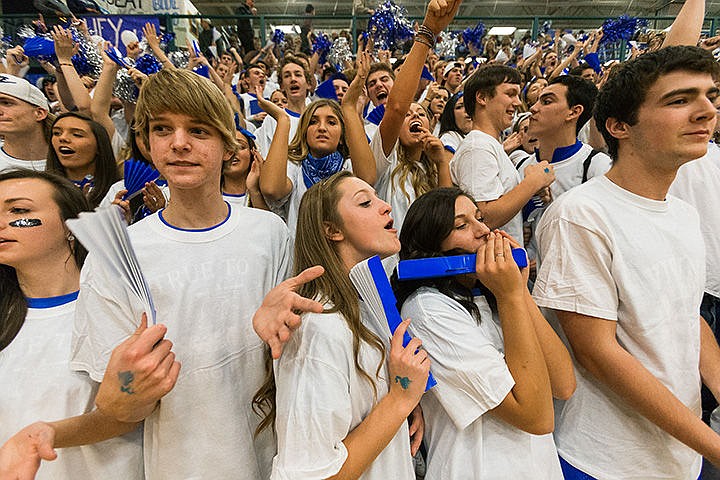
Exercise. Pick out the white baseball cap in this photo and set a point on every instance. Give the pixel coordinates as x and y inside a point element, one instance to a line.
<point>128,36</point>
<point>22,90</point>
<point>452,65</point>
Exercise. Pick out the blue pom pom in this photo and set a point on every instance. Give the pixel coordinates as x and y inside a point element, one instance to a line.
<point>621,28</point>
<point>321,45</point>
<point>148,64</point>
<point>82,66</point>
<point>88,60</point>
<point>278,37</point>
<point>389,26</point>
<point>167,37</point>
<point>472,36</point>
<point>546,28</point>
<point>39,47</point>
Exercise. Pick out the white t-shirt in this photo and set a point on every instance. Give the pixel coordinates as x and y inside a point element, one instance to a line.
<point>118,143</point>
<point>250,105</point>
<point>516,156</point>
<point>614,255</point>
<point>451,140</point>
<point>387,185</point>
<point>38,384</point>
<point>468,362</point>
<point>569,170</point>
<point>206,286</point>
<point>482,168</point>
<point>7,162</point>
<point>698,183</point>
<point>321,398</point>
<point>289,206</point>
<point>264,133</point>
<point>239,199</point>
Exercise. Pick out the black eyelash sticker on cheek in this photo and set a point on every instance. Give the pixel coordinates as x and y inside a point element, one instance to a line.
<point>26,223</point>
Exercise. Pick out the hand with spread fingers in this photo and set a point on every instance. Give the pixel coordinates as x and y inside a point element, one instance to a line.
<point>280,311</point>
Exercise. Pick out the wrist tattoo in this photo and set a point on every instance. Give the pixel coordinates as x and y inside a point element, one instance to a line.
<point>403,381</point>
<point>126,379</point>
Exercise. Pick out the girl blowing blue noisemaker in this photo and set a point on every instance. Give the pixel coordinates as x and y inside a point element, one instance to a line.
<point>436,267</point>
<point>374,288</point>
<point>135,175</point>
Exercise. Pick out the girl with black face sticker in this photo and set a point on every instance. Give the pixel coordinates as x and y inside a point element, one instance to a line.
<point>40,265</point>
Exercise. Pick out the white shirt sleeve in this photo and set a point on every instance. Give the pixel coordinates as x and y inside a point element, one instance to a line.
<point>382,161</point>
<point>599,165</point>
<point>101,297</point>
<point>477,171</point>
<point>471,373</point>
<point>576,270</point>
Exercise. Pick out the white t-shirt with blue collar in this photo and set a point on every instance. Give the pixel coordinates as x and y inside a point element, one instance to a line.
<point>38,384</point>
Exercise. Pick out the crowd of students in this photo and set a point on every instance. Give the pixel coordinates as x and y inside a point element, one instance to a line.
<point>265,362</point>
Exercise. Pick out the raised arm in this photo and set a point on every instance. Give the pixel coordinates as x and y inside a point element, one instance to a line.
<point>65,48</point>
<point>274,182</point>
<point>15,60</point>
<point>153,41</point>
<point>567,61</point>
<point>438,16</point>
<point>687,26</point>
<point>100,106</point>
<point>363,161</point>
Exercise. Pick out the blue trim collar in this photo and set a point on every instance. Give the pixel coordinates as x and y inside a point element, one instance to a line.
<point>194,230</point>
<point>562,153</point>
<point>51,302</point>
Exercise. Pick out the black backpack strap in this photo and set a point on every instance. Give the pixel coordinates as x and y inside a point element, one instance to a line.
<point>521,162</point>
<point>586,164</point>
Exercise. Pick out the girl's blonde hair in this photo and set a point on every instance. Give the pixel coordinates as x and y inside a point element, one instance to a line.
<point>298,148</point>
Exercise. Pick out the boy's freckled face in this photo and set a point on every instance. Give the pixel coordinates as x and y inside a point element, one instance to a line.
<point>187,152</point>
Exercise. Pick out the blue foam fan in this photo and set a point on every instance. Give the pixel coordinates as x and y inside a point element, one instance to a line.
<point>135,175</point>
<point>255,106</point>
<point>326,90</point>
<point>437,267</point>
<point>377,114</point>
<point>372,284</point>
<point>196,48</point>
<point>115,55</point>
<point>202,70</point>
<point>426,74</point>
<point>36,47</point>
